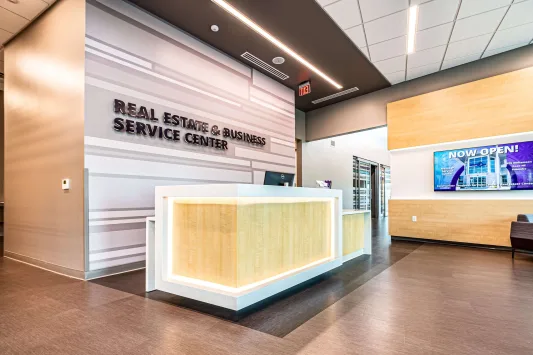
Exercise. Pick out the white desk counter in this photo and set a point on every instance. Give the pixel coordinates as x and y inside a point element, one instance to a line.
<point>233,245</point>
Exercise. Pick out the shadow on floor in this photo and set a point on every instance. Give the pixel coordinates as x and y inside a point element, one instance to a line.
<point>281,314</point>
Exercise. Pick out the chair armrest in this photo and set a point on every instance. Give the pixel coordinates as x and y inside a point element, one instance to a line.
<point>522,230</point>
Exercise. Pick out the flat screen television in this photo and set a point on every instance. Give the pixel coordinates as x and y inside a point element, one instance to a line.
<point>498,167</point>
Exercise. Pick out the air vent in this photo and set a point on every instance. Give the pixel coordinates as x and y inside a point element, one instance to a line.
<point>335,95</point>
<point>332,143</point>
<point>252,58</point>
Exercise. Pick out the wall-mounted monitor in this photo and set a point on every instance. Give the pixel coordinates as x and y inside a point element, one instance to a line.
<point>494,167</point>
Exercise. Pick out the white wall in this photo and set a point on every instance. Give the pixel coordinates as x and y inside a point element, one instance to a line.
<point>412,172</point>
<point>321,161</point>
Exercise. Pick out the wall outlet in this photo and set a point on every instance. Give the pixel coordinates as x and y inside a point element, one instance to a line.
<point>413,218</point>
<point>65,184</point>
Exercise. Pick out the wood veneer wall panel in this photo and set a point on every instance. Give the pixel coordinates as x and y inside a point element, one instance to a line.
<point>467,221</point>
<point>489,107</point>
<point>353,233</point>
<point>277,237</point>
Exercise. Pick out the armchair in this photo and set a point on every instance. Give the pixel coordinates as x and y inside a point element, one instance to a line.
<point>522,233</point>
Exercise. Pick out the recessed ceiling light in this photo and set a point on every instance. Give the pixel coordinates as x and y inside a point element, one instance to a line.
<point>234,12</point>
<point>413,17</point>
<point>214,28</point>
<point>278,60</point>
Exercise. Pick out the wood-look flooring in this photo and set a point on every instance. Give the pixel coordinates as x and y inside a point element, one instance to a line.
<point>285,312</point>
<point>433,300</point>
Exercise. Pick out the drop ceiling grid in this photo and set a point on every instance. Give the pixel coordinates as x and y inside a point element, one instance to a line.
<point>15,16</point>
<point>449,32</point>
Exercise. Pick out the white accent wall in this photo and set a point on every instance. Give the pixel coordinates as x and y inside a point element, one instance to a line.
<point>134,57</point>
<point>322,161</point>
<point>412,172</point>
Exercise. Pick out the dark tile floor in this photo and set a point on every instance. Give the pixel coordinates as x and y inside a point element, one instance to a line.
<point>284,313</point>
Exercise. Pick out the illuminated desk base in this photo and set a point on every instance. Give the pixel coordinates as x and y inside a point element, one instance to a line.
<point>235,245</point>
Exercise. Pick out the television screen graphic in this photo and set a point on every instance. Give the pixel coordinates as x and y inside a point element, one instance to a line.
<point>494,167</point>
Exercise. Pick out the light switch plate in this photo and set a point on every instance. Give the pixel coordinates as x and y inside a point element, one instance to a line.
<point>65,184</point>
<point>414,218</point>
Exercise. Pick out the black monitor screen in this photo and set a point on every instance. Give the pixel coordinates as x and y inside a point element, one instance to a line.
<point>278,179</point>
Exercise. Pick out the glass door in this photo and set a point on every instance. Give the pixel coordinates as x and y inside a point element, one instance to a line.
<point>362,191</point>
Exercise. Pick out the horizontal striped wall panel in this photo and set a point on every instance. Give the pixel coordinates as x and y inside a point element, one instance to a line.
<point>485,108</point>
<point>179,107</point>
<point>467,221</point>
<point>264,82</point>
<point>145,148</point>
<point>286,107</point>
<point>122,34</point>
<point>258,155</point>
<point>134,57</point>
<point>273,167</point>
<point>116,239</point>
<point>131,167</point>
<point>175,34</point>
<point>283,150</point>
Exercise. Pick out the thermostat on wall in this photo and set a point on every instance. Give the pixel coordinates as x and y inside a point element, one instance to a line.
<point>65,184</point>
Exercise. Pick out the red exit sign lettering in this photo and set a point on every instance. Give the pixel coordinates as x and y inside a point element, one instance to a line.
<point>304,88</point>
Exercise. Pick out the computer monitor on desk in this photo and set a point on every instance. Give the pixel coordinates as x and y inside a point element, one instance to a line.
<point>278,179</point>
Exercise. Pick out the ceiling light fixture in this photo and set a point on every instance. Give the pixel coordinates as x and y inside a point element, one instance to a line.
<point>278,60</point>
<point>214,28</point>
<point>413,19</point>
<point>234,12</point>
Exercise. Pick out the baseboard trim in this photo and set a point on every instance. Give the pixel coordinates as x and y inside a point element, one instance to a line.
<point>114,270</point>
<point>447,242</point>
<point>56,269</point>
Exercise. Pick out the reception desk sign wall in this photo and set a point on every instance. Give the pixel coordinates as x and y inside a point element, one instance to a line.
<point>162,108</point>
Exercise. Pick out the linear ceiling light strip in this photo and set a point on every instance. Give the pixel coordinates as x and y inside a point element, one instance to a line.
<point>413,17</point>
<point>234,12</point>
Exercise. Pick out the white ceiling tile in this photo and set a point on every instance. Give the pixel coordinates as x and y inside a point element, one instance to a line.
<point>413,73</point>
<point>433,37</point>
<point>345,13</point>
<point>388,49</point>
<point>459,61</point>
<point>391,65</point>
<point>387,27</point>
<point>373,9</point>
<point>425,57</point>
<point>486,22</point>
<point>512,36</point>
<point>4,35</point>
<point>504,49</point>
<point>357,35</point>
<point>365,51</point>
<point>26,8</point>
<point>474,7</point>
<point>11,22</point>
<point>518,14</point>
<point>467,47</point>
<point>395,78</point>
<point>325,2</point>
<point>436,12</point>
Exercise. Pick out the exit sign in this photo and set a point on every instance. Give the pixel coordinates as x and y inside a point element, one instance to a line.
<point>304,88</point>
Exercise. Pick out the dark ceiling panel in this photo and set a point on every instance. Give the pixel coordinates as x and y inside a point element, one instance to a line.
<point>300,24</point>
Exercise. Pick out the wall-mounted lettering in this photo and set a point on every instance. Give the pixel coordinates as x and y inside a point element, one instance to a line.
<point>143,121</point>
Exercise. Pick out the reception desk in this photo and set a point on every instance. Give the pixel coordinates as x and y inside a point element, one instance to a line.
<point>235,245</point>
